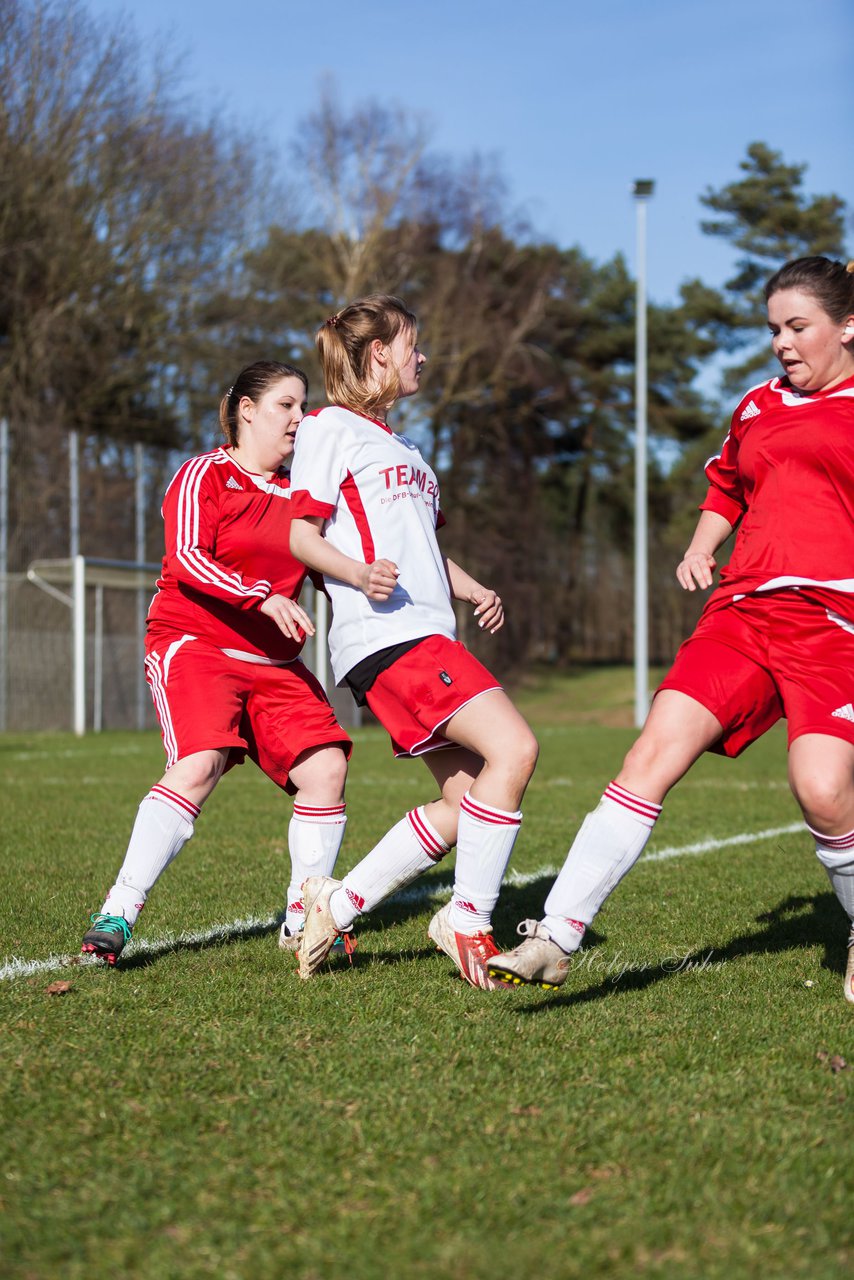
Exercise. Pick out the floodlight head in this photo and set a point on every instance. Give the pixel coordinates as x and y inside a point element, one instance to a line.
<point>642,188</point>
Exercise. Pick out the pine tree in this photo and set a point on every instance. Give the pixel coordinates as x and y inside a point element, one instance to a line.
<point>768,218</point>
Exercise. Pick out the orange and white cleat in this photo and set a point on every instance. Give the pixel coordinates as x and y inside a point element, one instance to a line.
<point>470,952</point>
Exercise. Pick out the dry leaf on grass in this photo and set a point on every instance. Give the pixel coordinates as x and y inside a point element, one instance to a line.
<point>58,989</point>
<point>582,1196</point>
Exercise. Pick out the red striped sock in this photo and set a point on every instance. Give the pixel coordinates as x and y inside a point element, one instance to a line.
<point>485,842</point>
<point>315,833</point>
<point>608,843</point>
<point>411,846</point>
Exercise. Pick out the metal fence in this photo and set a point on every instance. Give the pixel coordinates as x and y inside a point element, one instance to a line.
<point>72,626</point>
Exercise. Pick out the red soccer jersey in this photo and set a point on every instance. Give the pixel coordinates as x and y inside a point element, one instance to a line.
<point>786,473</point>
<point>227,549</point>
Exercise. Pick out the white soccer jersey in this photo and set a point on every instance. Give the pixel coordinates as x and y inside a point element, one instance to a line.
<point>380,501</point>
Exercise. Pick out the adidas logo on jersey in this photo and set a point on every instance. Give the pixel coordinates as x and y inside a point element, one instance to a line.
<point>844,713</point>
<point>231,483</point>
<point>750,412</point>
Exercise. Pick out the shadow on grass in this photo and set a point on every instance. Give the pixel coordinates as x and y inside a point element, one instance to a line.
<point>150,952</point>
<point>795,923</point>
<point>425,896</point>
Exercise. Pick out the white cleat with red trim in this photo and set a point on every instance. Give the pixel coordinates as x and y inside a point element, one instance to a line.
<point>471,953</point>
<point>320,934</point>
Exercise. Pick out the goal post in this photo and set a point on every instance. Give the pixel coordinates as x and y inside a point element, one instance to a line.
<point>80,573</point>
<point>70,580</point>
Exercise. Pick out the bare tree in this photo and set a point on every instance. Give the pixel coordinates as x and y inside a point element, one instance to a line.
<point>119,215</point>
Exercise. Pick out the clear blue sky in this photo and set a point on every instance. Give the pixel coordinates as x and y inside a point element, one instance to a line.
<point>574,99</point>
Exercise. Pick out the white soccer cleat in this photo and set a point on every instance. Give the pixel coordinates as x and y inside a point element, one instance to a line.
<point>849,969</point>
<point>320,932</point>
<point>538,961</point>
<point>289,941</point>
<point>471,953</point>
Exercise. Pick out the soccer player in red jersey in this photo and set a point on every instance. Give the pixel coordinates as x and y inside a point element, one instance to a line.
<point>223,640</point>
<point>367,512</point>
<point>775,639</point>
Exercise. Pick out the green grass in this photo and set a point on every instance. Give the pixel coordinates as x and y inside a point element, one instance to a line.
<point>199,1112</point>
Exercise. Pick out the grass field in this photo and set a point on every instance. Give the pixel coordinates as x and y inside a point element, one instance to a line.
<point>678,1109</point>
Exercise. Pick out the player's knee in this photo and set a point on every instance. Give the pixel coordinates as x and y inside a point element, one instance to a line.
<point>329,763</point>
<point>826,801</point>
<point>512,753</point>
<point>321,775</point>
<point>519,761</point>
<point>337,771</point>
<point>527,754</point>
<point>196,773</point>
<point>643,760</point>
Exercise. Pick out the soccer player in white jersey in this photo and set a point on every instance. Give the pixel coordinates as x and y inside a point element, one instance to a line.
<point>367,511</point>
<point>775,639</point>
<point>223,640</point>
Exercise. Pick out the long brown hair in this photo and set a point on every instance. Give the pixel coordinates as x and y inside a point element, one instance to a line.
<point>344,344</point>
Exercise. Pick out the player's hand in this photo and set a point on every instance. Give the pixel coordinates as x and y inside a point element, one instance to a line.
<point>288,616</point>
<point>696,570</point>
<point>489,610</point>
<point>378,580</point>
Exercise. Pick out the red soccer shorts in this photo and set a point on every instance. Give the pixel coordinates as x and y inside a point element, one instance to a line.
<point>763,657</point>
<point>420,692</point>
<point>207,701</point>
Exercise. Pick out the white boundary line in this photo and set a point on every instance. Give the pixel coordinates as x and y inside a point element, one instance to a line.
<point>15,968</point>
<point>706,846</point>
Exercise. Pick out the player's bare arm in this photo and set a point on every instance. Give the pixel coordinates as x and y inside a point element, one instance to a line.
<point>489,610</point>
<point>377,580</point>
<point>697,566</point>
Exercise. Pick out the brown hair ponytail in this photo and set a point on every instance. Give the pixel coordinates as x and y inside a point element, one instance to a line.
<point>344,345</point>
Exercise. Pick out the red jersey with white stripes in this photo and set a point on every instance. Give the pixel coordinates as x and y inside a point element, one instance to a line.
<point>379,500</point>
<point>786,473</point>
<point>227,549</point>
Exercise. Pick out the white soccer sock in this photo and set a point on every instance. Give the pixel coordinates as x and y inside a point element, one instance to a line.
<point>314,838</point>
<point>164,823</point>
<point>836,854</point>
<point>485,840</point>
<point>412,846</point>
<point>608,844</point>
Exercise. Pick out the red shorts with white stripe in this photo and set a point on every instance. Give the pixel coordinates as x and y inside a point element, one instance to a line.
<point>760,658</point>
<point>418,694</point>
<point>206,701</point>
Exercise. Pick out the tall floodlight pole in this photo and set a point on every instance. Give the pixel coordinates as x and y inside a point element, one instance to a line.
<point>73,494</point>
<point>141,595</point>
<point>642,189</point>
<point>4,569</point>
<point>78,591</point>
